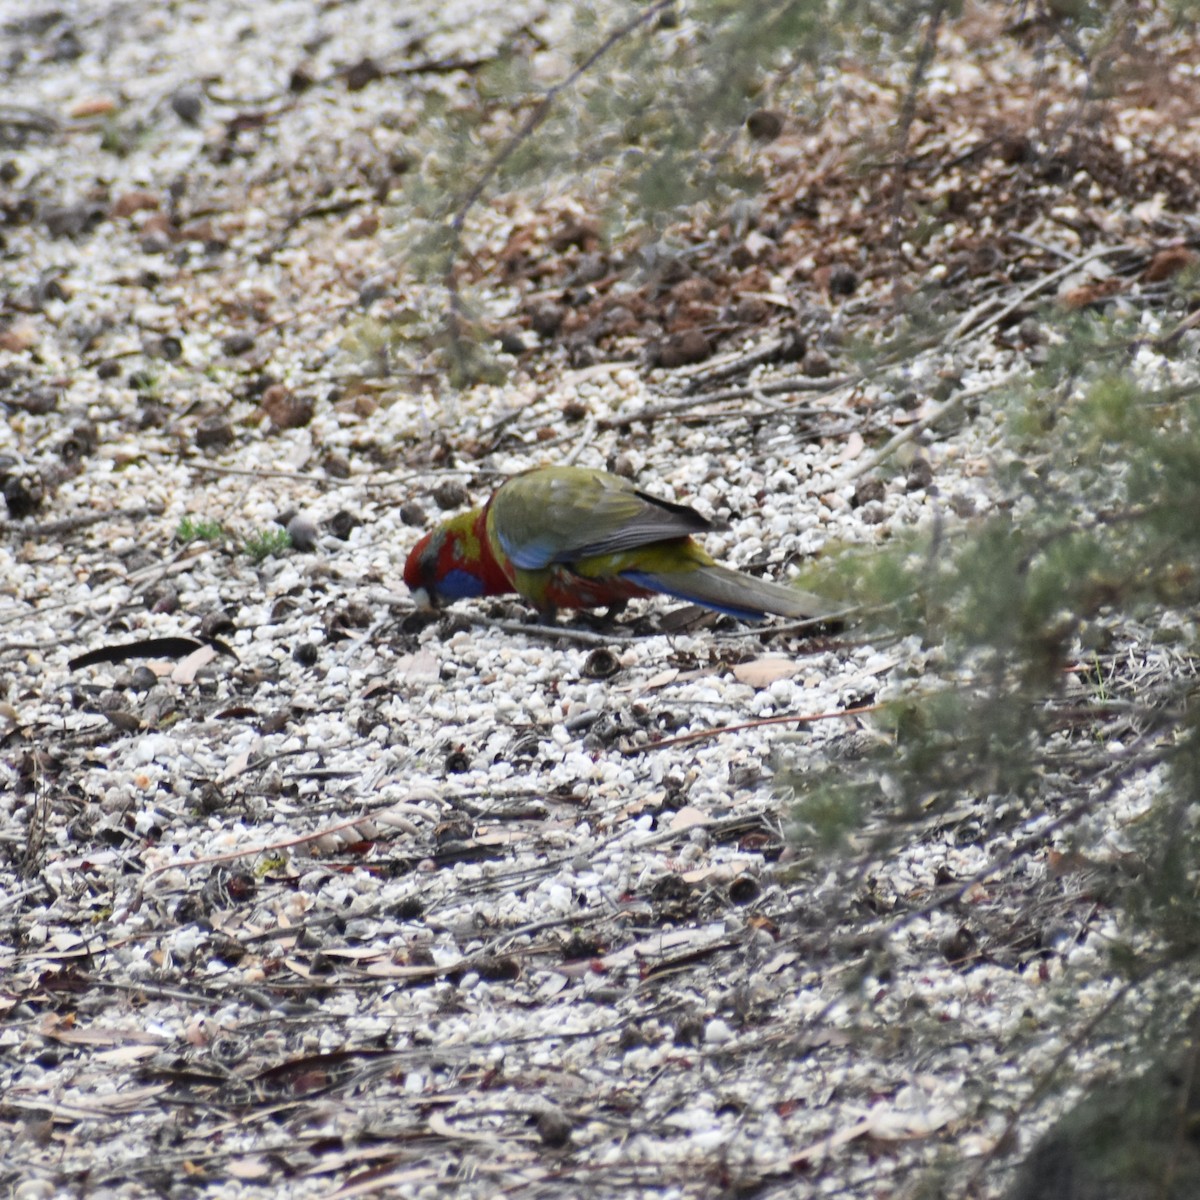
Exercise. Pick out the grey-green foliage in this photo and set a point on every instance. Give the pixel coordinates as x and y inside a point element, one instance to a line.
<point>644,115</point>
<point>1087,572</point>
<point>644,121</point>
<point>1092,555</point>
<point>1131,1138</point>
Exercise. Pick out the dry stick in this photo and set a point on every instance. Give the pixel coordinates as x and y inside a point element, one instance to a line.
<point>589,432</point>
<point>733,364</point>
<point>967,324</point>
<point>791,719</point>
<point>82,521</point>
<point>1130,766</point>
<point>266,473</point>
<point>22,117</point>
<point>1169,339</point>
<point>778,387</point>
<point>1044,247</point>
<point>561,633</point>
<point>918,427</point>
<point>154,991</point>
<point>383,479</point>
<point>269,847</point>
<point>137,580</point>
<point>775,388</point>
<point>908,114</point>
<point>540,112</point>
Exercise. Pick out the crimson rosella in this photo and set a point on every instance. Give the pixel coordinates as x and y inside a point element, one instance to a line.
<point>570,537</point>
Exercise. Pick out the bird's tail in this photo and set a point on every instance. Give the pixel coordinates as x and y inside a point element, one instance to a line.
<point>732,593</point>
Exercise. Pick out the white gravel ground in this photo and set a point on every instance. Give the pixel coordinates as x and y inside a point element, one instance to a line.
<point>391,914</point>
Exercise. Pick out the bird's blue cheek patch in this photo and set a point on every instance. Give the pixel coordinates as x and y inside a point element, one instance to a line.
<point>459,585</point>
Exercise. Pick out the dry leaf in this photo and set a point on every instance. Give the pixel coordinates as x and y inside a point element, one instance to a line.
<point>718,873</point>
<point>136,201</point>
<point>552,984</point>
<point>1090,293</point>
<point>422,666</point>
<point>899,1124</point>
<point>851,450</point>
<point>78,1106</point>
<point>762,672</point>
<point>17,337</point>
<point>393,818</point>
<point>250,1168</point>
<point>58,1029</point>
<point>375,1184</point>
<point>93,106</point>
<point>661,679</point>
<point>1169,262</point>
<point>127,1056</point>
<point>236,766</point>
<point>185,672</point>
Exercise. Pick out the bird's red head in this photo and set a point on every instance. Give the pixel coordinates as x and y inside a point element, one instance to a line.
<point>454,562</point>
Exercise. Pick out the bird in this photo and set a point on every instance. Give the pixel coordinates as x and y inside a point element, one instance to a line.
<point>575,537</point>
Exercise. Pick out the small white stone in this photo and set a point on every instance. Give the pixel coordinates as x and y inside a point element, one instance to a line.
<point>717,1033</point>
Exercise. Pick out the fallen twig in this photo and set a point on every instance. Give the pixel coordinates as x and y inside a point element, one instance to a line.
<point>698,735</point>
<point>967,324</point>
<point>79,521</point>
<point>779,387</point>
<point>917,427</point>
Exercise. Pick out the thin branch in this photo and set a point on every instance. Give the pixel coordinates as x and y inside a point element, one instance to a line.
<point>557,633</point>
<point>80,521</point>
<point>540,112</point>
<point>908,112</point>
<point>917,428</point>
<point>698,735</point>
<point>268,473</point>
<point>780,387</point>
<point>967,324</point>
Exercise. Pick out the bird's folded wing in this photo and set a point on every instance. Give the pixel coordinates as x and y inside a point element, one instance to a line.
<point>564,514</point>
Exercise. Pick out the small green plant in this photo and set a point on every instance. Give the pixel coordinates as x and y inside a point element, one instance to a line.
<point>268,542</point>
<point>122,138</point>
<point>192,529</point>
<point>146,383</point>
<point>273,862</point>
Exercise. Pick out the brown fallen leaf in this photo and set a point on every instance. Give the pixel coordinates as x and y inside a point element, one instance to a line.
<point>18,337</point>
<point>1169,262</point>
<point>718,873</point>
<point>761,672</point>
<point>250,1168</point>
<point>128,203</point>
<point>1090,293</point>
<point>688,817</point>
<point>185,672</point>
<point>285,408</point>
<point>93,106</point>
